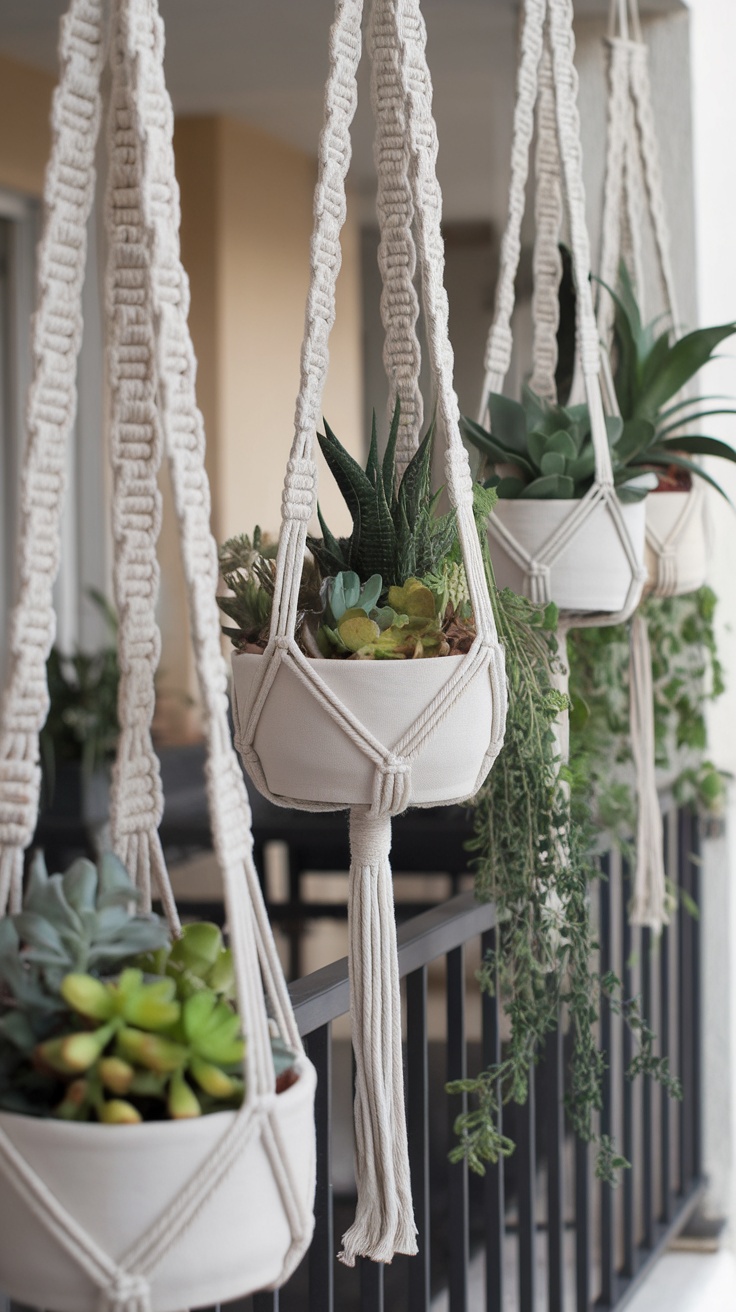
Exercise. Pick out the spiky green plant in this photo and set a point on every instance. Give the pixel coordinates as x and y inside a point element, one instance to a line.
<point>546,450</point>
<point>397,532</point>
<point>651,368</point>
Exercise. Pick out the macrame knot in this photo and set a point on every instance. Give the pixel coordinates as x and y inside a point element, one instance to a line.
<point>538,576</point>
<point>299,488</point>
<point>459,477</point>
<point>127,1293</point>
<point>391,787</point>
<point>20,783</point>
<point>667,571</point>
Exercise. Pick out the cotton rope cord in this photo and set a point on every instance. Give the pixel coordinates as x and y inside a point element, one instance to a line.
<point>649,902</point>
<point>136,798</point>
<point>52,404</point>
<point>547,43</point>
<point>547,261</point>
<point>143,185</point>
<point>396,250</point>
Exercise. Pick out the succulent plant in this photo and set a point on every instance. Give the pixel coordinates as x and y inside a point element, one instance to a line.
<point>103,1017</point>
<point>545,451</point>
<point>145,1044</point>
<point>406,627</point>
<point>397,533</point>
<point>651,368</point>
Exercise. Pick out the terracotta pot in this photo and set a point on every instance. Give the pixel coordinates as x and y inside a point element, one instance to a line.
<point>592,571</point>
<point>676,548</point>
<point>307,756</point>
<point>117,1180</point>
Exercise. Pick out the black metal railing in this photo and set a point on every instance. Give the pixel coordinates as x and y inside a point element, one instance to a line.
<point>538,1231</point>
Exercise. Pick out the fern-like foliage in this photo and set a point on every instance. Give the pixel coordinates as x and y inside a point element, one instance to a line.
<point>397,532</point>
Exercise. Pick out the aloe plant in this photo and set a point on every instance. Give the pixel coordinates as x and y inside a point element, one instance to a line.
<point>651,368</point>
<point>546,451</point>
<point>397,532</point>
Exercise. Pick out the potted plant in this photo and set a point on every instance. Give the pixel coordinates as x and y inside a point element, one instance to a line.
<point>660,433</point>
<point>385,622</point>
<point>122,1059</point>
<point>80,736</point>
<point>540,459</point>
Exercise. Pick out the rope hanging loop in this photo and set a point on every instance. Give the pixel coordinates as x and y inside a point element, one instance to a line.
<point>200,1185</point>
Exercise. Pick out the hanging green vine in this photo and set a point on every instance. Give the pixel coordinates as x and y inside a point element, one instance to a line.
<point>532,856</point>
<point>687,675</point>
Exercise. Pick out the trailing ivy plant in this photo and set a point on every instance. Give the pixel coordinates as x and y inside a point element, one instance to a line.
<point>532,856</point>
<point>687,675</point>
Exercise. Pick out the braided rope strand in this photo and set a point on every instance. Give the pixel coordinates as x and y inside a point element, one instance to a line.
<point>52,402</point>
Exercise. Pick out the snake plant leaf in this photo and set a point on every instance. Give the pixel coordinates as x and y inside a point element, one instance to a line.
<point>637,436</point>
<point>372,468</point>
<point>685,358</point>
<point>556,487</point>
<point>664,430</point>
<point>508,422</point>
<point>661,456</point>
<point>700,446</point>
<point>333,555</point>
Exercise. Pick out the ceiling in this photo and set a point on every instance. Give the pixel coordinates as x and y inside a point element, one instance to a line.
<point>266,60</point>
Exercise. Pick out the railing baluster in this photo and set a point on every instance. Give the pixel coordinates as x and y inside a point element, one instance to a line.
<point>457,1193</point>
<point>493,1184</point>
<point>582,1226</point>
<point>608,1272</point>
<point>526,1162</point>
<point>418,1130</point>
<point>647,947</point>
<point>629,1176</point>
<point>555,1137</point>
<point>267,1302</point>
<point>685,1002</point>
<point>371,1285</point>
<point>665,1038</point>
<point>322,1250</point>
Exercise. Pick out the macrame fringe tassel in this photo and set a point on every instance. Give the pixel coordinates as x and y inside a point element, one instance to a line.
<point>384,1218</point>
<point>11,880</point>
<point>649,902</point>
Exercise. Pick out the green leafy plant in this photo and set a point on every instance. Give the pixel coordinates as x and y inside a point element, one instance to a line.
<point>687,675</point>
<point>545,451</point>
<point>103,1017</point>
<point>651,368</point>
<point>406,627</point>
<point>82,723</point>
<point>532,856</point>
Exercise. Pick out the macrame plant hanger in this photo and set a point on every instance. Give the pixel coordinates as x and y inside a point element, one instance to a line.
<point>151,370</point>
<point>547,84</point>
<point>408,192</point>
<point>633,184</point>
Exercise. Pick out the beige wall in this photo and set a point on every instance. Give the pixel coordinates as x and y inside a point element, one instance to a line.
<point>246,227</point>
<point>25,135</point>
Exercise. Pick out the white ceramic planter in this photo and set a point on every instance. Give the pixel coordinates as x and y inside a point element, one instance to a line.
<point>591,573</point>
<point>307,756</point>
<point>117,1180</point>
<point>676,551</point>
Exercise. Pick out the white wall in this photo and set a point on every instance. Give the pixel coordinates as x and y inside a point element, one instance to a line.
<point>714,111</point>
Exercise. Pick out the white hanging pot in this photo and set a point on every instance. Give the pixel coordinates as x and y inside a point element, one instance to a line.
<point>308,755</point>
<point>117,1180</point>
<point>676,548</point>
<point>591,572</point>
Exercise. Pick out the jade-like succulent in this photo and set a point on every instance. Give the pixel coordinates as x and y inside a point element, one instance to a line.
<point>197,959</point>
<point>144,1043</point>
